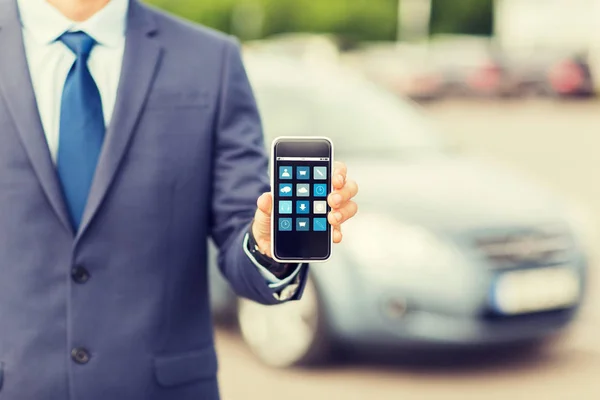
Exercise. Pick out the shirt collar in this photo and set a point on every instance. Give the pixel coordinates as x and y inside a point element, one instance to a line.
<point>45,23</point>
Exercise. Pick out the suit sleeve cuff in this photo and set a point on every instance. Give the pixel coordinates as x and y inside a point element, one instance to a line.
<point>272,280</point>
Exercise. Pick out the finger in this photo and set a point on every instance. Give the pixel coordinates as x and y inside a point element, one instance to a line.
<point>338,181</point>
<point>340,169</point>
<point>342,196</point>
<point>334,218</point>
<point>337,235</point>
<point>338,217</point>
<point>264,203</point>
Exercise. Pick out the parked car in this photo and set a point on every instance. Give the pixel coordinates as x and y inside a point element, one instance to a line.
<point>405,69</point>
<point>447,250</point>
<point>471,66</point>
<point>565,29</point>
<point>549,72</point>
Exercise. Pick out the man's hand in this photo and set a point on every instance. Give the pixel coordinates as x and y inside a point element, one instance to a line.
<point>340,200</point>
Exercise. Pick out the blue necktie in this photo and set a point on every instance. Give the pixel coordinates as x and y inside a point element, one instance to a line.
<point>81,128</point>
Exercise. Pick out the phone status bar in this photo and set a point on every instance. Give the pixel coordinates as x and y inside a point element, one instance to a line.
<point>302,158</point>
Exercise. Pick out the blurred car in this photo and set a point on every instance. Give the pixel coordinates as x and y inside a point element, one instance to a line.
<point>560,36</point>
<point>571,77</point>
<point>447,250</point>
<point>404,69</point>
<point>549,72</point>
<point>470,66</point>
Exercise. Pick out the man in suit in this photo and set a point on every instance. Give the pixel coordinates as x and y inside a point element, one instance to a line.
<point>127,139</point>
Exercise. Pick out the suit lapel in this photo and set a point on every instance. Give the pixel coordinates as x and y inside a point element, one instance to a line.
<point>17,91</point>
<point>140,63</point>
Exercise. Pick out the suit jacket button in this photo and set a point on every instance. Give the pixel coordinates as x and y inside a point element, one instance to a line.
<point>80,275</point>
<point>80,355</point>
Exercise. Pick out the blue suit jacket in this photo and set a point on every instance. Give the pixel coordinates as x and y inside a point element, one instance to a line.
<point>183,161</point>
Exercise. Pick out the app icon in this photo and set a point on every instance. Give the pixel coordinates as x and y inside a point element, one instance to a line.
<point>303,173</point>
<point>285,207</point>
<point>303,190</point>
<point>302,224</point>
<point>285,224</point>
<point>285,189</point>
<point>285,172</point>
<point>302,207</point>
<point>320,173</point>
<point>320,207</point>
<point>320,190</point>
<point>320,224</point>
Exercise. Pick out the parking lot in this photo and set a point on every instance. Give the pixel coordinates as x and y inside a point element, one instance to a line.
<point>557,142</point>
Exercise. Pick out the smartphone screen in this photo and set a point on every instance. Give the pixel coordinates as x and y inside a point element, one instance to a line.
<point>301,183</point>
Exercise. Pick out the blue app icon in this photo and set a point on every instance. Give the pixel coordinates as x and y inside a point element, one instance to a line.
<point>302,207</point>
<point>303,173</point>
<point>285,189</point>
<point>285,224</point>
<point>302,224</point>
<point>285,207</point>
<point>320,190</point>
<point>320,224</point>
<point>285,172</point>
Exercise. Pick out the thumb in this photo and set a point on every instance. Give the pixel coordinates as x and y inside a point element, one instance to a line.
<point>262,219</point>
<point>264,203</point>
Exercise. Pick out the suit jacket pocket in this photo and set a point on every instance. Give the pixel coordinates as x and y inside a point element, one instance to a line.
<point>167,99</point>
<point>178,369</point>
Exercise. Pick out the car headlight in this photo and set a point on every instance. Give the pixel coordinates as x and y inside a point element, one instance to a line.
<point>386,249</point>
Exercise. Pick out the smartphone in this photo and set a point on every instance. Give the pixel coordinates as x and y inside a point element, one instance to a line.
<point>301,170</point>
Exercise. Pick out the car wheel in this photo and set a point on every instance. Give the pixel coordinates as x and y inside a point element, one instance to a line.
<point>286,335</point>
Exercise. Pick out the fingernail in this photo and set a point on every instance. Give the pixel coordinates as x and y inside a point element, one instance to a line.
<point>337,216</point>
<point>340,178</point>
<point>337,199</point>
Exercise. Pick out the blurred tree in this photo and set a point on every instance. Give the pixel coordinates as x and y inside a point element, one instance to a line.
<point>462,16</point>
<point>361,19</point>
<point>214,13</point>
<point>355,19</point>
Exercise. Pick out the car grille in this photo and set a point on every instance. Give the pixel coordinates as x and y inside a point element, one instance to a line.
<point>522,249</point>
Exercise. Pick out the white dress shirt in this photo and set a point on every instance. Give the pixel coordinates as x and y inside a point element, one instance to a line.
<point>50,61</point>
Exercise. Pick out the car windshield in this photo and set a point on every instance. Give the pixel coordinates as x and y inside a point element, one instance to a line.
<point>359,117</point>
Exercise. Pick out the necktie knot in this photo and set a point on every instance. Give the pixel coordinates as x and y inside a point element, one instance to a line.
<point>79,43</point>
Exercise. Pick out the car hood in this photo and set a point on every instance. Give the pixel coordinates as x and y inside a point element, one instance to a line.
<point>453,193</point>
